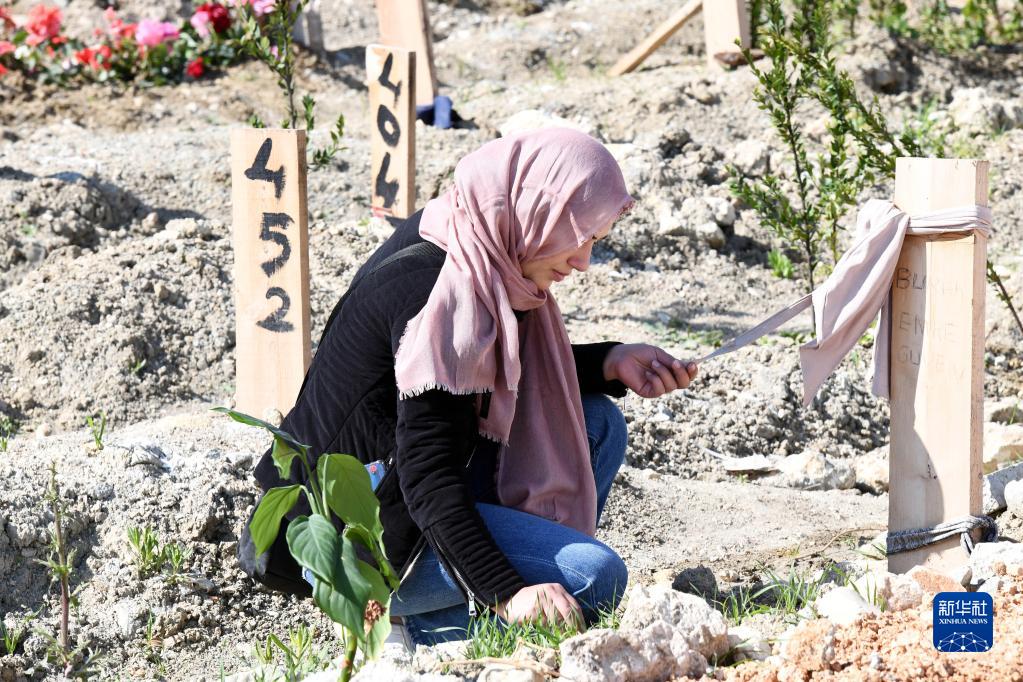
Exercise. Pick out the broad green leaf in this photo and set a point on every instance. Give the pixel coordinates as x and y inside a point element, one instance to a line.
<point>243,418</point>
<point>338,607</point>
<point>266,522</point>
<point>345,483</point>
<point>283,455</point>
<point>345,601</point>
<point>373,641</point>
<point>374,546</point>
<point>315,544</point>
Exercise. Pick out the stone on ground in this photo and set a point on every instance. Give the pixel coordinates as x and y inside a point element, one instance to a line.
<point>810,470</point>
<point>989,556</point>
<point>994,487</point>
<point>843,606</point>
<point>747,644</point>
<point>703,627</point>
<point>654,654</point>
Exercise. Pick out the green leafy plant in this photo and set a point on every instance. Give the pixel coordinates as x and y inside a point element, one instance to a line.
<point>293,660</point>
<point>175,556</point>
<point>145,549</point>
<point>74,661</point>
<point>780,264</point>
<point>351,592</point>
<point>97,427</point>
<point>269,39</point>
<point>8,428</point>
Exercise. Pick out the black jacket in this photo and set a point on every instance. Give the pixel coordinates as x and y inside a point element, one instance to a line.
<point>349,404</point>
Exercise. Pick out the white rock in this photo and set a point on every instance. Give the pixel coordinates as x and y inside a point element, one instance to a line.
<point>751,157</point>
<point>535,119</point>
<point>875,588</point>
<point>126,615</point>
<point>1014,497</point>
<point>655,653</point>
<point>985,554</point>
<point>810,470</point>
<point>702,626</point>
<point>710,234</point>
<point>843,606</point>
<point>994,585</point>
<point>505,673</point>
<point>994,486</point>
<point>872,470</point>
<point>723,209</point>
<point>747,644</point>
<point>1003,443</point>
<point>905,593</point>
<point>634,162</point>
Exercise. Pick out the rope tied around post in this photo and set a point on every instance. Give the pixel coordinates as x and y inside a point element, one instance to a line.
<point>914,538</point>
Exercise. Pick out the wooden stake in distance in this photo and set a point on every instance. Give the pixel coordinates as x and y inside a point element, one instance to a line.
<point>405,23</point>
<point>390,74</point>
<point>937,362</point>
<point>658,37</point>
<point>308,28</point>
<point>271,270</point>
<point>724,22</point>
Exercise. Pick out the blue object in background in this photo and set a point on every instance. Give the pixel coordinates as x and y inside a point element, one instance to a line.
<point>437,114</point>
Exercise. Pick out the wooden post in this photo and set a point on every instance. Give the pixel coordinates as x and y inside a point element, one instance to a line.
<point>724,21</point>
<point>664,30</point>
<point>271,270</point>
<point>390,74</point>
<point>937,362</point>
<point>405,23</point>
<point>308,28</point>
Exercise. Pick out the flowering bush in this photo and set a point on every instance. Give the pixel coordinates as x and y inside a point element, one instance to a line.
<point>149,52</point>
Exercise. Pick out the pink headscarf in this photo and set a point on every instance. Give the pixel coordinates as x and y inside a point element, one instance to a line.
<point>515,199</point>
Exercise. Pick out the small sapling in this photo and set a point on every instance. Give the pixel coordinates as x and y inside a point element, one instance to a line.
<point>351,592</point>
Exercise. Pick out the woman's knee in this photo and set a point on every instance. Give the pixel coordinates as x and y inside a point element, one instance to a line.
<point>606,576</point>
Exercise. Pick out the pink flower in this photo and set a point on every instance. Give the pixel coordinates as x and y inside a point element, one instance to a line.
<point>43,23</point>
<point>151,33</point>
<point>261,7</point>
<point>5,47</point>
<point>201,23</point>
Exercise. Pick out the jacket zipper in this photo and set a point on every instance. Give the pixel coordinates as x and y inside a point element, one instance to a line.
<point>470,597</point>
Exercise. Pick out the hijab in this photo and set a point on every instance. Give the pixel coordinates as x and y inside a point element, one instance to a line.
<point>518,198</point>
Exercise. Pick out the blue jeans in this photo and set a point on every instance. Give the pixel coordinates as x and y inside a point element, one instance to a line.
<point>542,551</point>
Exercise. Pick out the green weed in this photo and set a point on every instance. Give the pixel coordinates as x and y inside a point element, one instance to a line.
<point>290,661</point>
<point>8,428</point>
<point>97,427</point>
<point>780,264</point>
<point>150,557</point>
<point>14,635</point>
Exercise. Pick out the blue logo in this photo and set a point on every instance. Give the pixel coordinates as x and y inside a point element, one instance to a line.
<point>963,621</point>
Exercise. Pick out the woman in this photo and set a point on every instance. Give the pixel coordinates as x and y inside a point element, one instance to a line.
<point>448,360</point>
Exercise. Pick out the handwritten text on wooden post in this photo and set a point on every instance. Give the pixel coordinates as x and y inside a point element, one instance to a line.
<point>268,196</point>
<point>391,79</point>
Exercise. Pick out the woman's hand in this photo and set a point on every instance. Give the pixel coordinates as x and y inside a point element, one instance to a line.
<point>548,602</point>
<point>647,370</point>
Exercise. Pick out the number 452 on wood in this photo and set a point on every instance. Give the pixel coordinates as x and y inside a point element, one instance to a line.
<point>268,196</point>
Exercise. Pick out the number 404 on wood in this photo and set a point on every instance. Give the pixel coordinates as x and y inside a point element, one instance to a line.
<point>271,270</point>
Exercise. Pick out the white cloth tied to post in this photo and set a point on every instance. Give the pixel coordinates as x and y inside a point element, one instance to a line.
<point>859,289</point>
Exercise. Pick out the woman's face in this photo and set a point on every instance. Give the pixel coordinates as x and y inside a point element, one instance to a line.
<point>545,271</point>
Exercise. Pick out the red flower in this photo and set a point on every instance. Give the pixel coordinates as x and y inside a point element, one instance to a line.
<point>218,15</point>
<point>106,53</point>
<point>2,70</point>
<point>5,47</point>
<point>5,18</point>
<point>86,56</point>
<point>43,23</point>
<point>195,69</point>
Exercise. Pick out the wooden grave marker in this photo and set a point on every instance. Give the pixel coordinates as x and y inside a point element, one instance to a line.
<point>390,74</point>
<point>271,270</point>
<point>937,362</point>
<point>723,22</point>
<point>405,23</point>
<point>308,28</point>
